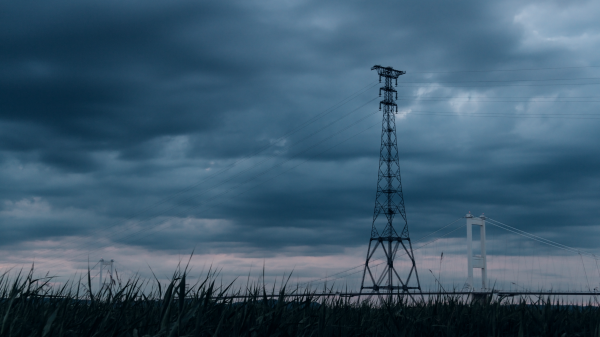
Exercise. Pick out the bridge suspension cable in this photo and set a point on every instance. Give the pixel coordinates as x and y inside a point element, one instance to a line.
<point>540,239</point>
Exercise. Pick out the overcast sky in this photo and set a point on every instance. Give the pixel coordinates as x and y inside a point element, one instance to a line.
<point>250,131</point>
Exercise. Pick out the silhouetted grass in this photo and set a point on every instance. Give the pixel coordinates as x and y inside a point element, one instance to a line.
<point>29,307</point>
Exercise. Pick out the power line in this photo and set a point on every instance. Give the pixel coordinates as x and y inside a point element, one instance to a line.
<point>492,100</point>
<point>499,97</point>
<point>503,115</point>
<point>320,280</point>
<point>497,70</point>
<point>148,232</point>
<point>505,81</point>
<point>164,200</point>
<point>285,161</point>
<point>239,161</point>
<point>492,86</point>
<point>378,264</point>
<point>491,222</point>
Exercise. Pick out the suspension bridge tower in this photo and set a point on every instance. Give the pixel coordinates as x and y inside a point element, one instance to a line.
<point>389,203</point>
<point>110,265</point>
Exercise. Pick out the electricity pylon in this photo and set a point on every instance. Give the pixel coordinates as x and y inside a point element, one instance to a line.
<point>389,202</point>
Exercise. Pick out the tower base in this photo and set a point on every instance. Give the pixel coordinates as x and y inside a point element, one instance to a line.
<point>389,281</point>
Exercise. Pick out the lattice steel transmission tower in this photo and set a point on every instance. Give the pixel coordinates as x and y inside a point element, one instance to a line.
<point>389,202</point>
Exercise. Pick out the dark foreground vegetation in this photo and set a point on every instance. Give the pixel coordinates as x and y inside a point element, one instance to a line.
<point>30,307</point>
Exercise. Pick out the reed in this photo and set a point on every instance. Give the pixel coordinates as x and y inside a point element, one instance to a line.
<point>136,307</point>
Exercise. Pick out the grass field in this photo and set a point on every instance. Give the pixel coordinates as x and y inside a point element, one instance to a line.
<point>31,307</point>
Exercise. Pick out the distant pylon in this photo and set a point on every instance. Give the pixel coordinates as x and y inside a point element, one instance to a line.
<point>108,264</point>
<point>389,201</point>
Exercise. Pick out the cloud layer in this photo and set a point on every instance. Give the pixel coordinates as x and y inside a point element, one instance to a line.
<point>251,127</point>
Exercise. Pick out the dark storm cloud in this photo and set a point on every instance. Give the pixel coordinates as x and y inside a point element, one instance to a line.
<point>137,115</point>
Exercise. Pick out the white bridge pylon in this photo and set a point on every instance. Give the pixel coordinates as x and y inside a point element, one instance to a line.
<point>476,261</point>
